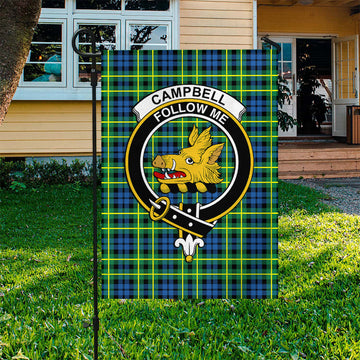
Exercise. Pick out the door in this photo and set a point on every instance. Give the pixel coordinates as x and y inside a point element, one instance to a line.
<point>287,70</point>
<point>345,80</point>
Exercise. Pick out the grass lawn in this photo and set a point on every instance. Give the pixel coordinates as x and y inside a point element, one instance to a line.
<point>45,290</point>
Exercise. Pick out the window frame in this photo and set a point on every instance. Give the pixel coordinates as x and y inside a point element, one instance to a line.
<point>51,84</point>
<point>71,88</point>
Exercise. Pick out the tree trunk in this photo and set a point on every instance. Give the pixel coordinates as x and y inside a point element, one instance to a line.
<point>18,19</point>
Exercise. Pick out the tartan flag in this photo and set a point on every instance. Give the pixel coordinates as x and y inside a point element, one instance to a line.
<point>189,161</point>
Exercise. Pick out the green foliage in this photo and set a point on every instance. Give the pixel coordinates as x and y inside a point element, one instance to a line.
<point>46,290</point>
<point>312,107</point>
<point>44,173</point>
<point>284,97</point>
<point>10,171</point>
<point>17,186</point>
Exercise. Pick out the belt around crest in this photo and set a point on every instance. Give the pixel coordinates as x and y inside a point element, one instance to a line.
<point>186,217</point>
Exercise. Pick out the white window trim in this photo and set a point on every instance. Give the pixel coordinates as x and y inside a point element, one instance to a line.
<point>70,17</point>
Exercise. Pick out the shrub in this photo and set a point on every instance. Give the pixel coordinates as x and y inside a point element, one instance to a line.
<point>10,171</point>
<point>15,173</point>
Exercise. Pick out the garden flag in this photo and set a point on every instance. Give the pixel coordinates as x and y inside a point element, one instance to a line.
<point>189,159</point>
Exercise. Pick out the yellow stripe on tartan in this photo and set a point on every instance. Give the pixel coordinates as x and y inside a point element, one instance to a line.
<point>227,177</point>
<point>153,261</point>
<point>114,182</point>
<point>148,91</point>
<point>263,136</point>
<point>182,66</point>
<point>153,156</point>
<point>161,136</point>
<point>122,122</point>
<point>169,228</point>
<point>152,71</point>
<point>232,213</point>
<point>182,195</point>
<point>241,250</point>
<point>197,122</point>
<point>265,167</point>
<point>198,274</point>
<point>172,121</point>
<point>156,182</point>
<point>271,199</point>
<point>191,75</point>
<point>108,161</point>
<point>241,218</point>
<point>197,263</point>
<point>138,205</point>
<point>150,167</point>
<point>199,259</point>
<point>112,167</point>
<point>258,121</point>
<point>114,137</point>
<point>182,119</point>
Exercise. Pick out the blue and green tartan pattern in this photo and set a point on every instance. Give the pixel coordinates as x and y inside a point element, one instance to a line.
<point>240,256</point>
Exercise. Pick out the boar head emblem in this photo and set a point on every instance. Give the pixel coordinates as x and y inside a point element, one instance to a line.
<point>195,164</point>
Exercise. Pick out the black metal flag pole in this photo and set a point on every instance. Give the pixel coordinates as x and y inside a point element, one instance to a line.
<point>272,43</point>
<point>93,56</point>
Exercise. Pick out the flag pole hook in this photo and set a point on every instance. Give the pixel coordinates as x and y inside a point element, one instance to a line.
<point>272,43</point>
<point>93,56</point>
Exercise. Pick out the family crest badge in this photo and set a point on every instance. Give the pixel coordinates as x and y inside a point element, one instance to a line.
<point>189,164</point>
<point>194,168</point>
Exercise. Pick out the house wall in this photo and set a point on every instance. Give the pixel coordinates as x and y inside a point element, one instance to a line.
<point>34,128</point>
<point>216,24</point>
<point>301,19</point>
<point>48,128</point>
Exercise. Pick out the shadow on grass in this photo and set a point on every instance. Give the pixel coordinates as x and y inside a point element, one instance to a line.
<point>294,198</point>
<point>325,273</point>
<point>54,217</point>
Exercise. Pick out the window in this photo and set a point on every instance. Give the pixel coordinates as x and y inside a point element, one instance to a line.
<point>159,5</point>
<point>284,59</point>
<point>106,36</point>
<point>44,64</point>
<point>148,37</point>
<point>99,4</point>
<point>54,72</point>
<point>53,4</point>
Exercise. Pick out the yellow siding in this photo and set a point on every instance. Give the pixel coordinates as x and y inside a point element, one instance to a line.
<point>216,24</point>
<point>306,20</point>
<point>48,128</point>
